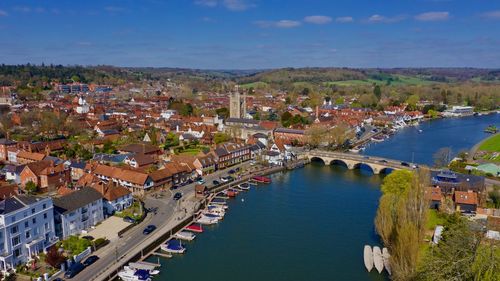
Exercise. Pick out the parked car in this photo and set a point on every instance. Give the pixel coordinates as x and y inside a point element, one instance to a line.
<point>229,178</point>
<point>90,260</point>
<point>88,237</point>
<point>382,161</point>
<point>223,179</point>
<point>150,228</point>
<point>231,172</point>
<point>74,270</point>
<point>174,187</point>
<point>128,219</point>
<point>405,164</point>
<point>216,182</point>
<point>200,181</point>
<point>177,196</point>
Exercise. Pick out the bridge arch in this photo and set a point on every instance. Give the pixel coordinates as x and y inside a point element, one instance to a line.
<point>340,162</point>
<point>367,166</point>
<point>386,170</point>
<point>318,159</point>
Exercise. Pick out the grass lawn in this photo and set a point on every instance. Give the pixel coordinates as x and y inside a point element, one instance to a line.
<point>190,151</point>
<point>133,211</point>
<point>433,219</point>
<point>492,144</point>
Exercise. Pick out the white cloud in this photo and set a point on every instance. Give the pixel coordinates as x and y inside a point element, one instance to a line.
<point>383,19</point>
<point>278,24</point>
<point>344,19</point>
<point>3,13</point>
<point>433,16</point>
<point>492,15</point>
<point>318,19</point>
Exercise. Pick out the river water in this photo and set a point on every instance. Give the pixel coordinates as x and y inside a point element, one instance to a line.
<point>311,223</point>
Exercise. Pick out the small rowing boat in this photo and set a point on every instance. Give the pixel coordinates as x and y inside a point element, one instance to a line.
<point>244,186</point>
<point>378,261</point>
<point>368,258</point>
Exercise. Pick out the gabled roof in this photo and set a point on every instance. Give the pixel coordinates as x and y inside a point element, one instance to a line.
<point>30,155</point>
<point>466,197</point>
<point>77,199</point>
<point>140,148</point>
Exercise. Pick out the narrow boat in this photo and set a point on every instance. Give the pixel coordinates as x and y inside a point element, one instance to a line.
<point>216,210</point>
<point>261,179</point>
<point>354,150</point>
<point>378,139</point>
<point>386,257</point>
<point>173,246</point>
<point>224,207</point>
<point>194,228</point>
<point>231,193</point>
<point>368,258</point>
<point>185,235</point>
<point>211,215</point>
<point>378,261</point>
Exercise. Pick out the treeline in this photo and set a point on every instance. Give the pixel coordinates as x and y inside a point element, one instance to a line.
<point>40,76</point>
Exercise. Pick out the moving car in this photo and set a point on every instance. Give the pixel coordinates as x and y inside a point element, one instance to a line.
<point>90,260</point>
<point>150,228</point>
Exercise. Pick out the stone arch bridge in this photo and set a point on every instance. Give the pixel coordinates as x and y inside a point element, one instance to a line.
<point>355,161</point>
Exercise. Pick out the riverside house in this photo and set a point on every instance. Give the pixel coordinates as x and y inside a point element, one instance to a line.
<point>26,229</point>
<point>136,182</point>
<point>77,211</point>
<point>229,154</point>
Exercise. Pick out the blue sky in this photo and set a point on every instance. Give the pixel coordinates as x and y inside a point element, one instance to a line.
<point>249,34</point>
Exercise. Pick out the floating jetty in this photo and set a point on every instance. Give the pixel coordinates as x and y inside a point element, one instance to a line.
<point>378,261</point>
<point>386,257</point>
<point>368,257</point>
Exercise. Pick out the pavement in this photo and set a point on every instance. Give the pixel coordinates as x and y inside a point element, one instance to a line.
<point>168,213</point>
<point>109,228</point>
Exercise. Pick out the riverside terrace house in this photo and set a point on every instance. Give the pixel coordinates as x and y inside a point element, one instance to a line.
<point>25,157</point>
<point>77,211</point>
<point>449,182</point>
<point>289,135</point>
<point>26,229</point>
<point>136,182</point>
<point>45,147</point>
<point>229,154</point>
<point>5,144</point>
<point>116,198</point>
<point>45,175</point>
<point>203,165</point>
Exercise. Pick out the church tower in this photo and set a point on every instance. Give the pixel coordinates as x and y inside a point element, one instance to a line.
<point>237,104</point>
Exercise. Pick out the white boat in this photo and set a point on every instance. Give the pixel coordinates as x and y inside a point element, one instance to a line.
<point>225,207</point>
<point>149,267</point>
<point>368,258</point>
<point>206,220</point>
<point>130,275</point>
<point>244,186</point>
<point>354,150</point>
<point>185,235</point>
<point>378,261</point>
<point>386,257</point>
<point>173,246</point>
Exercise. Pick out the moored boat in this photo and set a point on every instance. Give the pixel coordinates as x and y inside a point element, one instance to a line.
<point>218,201</point>
<point>173,246</point>
<point>149,267</point>
<point>386,257</point>
<point>244,186</point>
<point>134,275</point>
<point>231,193</point>
<point>261,179</point>
<point>203,219</point>
<point>378,261</point>
<point>194,228</point>
<point>185,235</point>
<point>368,258</point>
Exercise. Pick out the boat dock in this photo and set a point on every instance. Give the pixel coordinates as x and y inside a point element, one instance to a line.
<point>163,255</point>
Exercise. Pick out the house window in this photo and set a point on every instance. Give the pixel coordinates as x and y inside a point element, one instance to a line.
<point>13,218</point>
<point>34,220</point>
<point>33,210</point>
<point>17,252</point>
<point>28,234</point>
<point>16,241</point>
<point>44,206</point>
<point>14,229</point>
<point>26,224</point>
<point>45,216</point>
<point>46,226</point>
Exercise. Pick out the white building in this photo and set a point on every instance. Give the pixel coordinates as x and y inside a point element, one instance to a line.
<point>82,107</point>
<point>26,229</point>
<point>77,211</point>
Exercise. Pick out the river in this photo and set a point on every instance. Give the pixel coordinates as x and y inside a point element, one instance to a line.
<point>311,223</point>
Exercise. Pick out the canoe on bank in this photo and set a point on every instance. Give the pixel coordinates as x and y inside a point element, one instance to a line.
<point>386,256</point>
<point>378,261</point>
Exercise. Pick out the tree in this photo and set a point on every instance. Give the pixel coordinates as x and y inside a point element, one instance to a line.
<point>171,140</point>
<point>285,119</point>
<point>397,183</point>
<point>221,137</point>
<point>31,187</point>
<point>222,112</point>
<point>442,157</point>
<point>412,102</point>
<point>316,135</point>
<point>377,92</point>
<point>54,258</point>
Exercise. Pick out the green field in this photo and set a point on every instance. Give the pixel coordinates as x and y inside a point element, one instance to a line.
<point>492,144</point>
<point>255,85</point>
<point>398,80</point>
<point>434,219</point>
